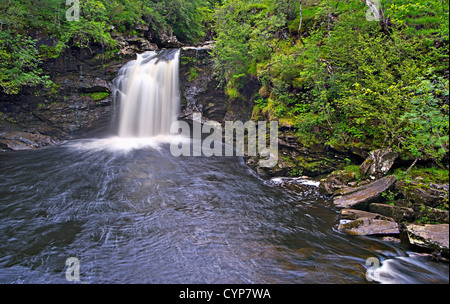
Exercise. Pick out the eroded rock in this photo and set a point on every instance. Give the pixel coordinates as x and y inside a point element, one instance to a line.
<point>337,180</point>
<point>378,163</point>
<point>25,141</point>
<point>431,214</point>
<point>433,237</point>
<point>399,214</point>
<point>362,196</point>
<point>370,226</point>
<point>354,214</point>
<point>431,195</point>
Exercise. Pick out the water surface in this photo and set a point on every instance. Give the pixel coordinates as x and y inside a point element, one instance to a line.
<point>133,213</point>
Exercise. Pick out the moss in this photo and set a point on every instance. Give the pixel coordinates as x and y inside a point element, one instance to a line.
<point>264,92</point>
<point>352,225</point>
<point>187,60</point>
<point>97,95</point>
<point>353,169</point>
<point>424,175</point>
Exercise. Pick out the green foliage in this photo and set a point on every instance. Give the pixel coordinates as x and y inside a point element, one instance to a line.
<point>193,74</point>
<point>96,96</point>
<point>426,123</point>
<point>19,63</point>
<point>424,174</point>
<point>346,80</point>
<point>22,19</point>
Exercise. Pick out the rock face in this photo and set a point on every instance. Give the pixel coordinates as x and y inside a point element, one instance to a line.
<point>79,100</point>
<point>24,141</point>
<point>362,196</point>
<point>198,86</point>
<point>378,163</point>
<point>435,237</point>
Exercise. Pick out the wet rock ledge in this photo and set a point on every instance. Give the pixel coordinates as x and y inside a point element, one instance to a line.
<point>378,204</point>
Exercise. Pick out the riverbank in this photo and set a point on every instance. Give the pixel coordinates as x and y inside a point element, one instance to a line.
<point>375,202</point>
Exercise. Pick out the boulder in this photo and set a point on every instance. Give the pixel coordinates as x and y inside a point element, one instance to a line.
<point>369,226</point>
<point>399,214</point>
<point>431,214</point>
<point>335,181</point>
<point>378,163</point>
<point>433,237</point>
<point>431,195</point>
<point>362,196</point>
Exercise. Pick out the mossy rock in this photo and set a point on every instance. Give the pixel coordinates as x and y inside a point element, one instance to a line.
<point>423,194</point>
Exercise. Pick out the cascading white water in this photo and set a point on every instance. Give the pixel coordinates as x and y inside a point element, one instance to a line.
<point>148,93</point>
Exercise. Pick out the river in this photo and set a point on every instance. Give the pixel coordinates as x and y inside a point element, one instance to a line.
<point>130,212</point>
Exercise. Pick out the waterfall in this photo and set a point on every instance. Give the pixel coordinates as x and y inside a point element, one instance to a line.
<point>147,91</point>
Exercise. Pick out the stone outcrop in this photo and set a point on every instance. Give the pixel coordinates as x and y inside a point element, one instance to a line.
<point>335,181</point>
<point>434,237</point>
<point>399,214</point>
<point>378,163</point>
<point>383,206</point>
<point>24,141</point>
<point>133,45</point>
<point>163,38</point>
<point>198,85</point>
<point>358,222</point>
<point>431,195</point>
<point>361,197</point>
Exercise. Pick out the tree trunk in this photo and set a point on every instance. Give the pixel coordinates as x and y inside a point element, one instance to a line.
<point>301,19</point>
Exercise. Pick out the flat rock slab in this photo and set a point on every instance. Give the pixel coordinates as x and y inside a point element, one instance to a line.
<point>24,141</point>
<point>369,226</point>
<point>354,214</point>
<point>434,237</point>
<point>397,213</point>
<point>362,196</point>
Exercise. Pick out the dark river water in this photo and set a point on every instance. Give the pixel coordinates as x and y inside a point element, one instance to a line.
<point>140,215</point>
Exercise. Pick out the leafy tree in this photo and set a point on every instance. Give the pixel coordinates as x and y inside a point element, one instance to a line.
<point>47,18</point>
<point>20,63</point>
<point>341,78</point>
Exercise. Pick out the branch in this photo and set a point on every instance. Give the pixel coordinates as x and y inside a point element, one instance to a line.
<point>300,23</point>
<point>410,167</point>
